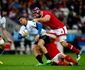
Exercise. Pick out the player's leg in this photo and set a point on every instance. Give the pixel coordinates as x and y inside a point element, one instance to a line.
<point>37,54</point>
<point>30,44</point>
<point>57,60</point>
<point>25,46</point>
<point>1,51</point>
<point>71,47</point>
<point>2,46</point>
<point>62,38</point>
<point>16,46</point>
<point>68,58</point>
<point>19,45</point>
<point>41,43</point>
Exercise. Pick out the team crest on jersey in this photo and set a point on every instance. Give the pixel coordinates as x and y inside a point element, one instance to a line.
<point>61,31</point>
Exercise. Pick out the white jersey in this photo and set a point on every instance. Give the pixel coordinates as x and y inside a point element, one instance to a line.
<point>2,22</point>
<point>31,27</point>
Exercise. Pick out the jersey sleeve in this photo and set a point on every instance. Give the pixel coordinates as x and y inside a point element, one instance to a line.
<point>39,27</point>
<point>21,30</point>
<point>36,25</point>
<point>46,13</point>
<point>4,23</point>
<point>32,24</point>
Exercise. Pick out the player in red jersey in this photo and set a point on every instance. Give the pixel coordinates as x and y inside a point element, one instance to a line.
<point>55,55</point>
<point>48,19</point>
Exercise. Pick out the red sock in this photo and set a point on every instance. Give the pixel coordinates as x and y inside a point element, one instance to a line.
<point>69,59</point>
<point>62,63</point>
<point>70,46</point>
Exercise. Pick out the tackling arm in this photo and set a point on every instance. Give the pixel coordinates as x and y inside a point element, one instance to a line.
<point>44,19</point>
<point>5,33</point>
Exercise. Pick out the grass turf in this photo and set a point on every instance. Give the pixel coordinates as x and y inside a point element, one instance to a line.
<point>28,62</point>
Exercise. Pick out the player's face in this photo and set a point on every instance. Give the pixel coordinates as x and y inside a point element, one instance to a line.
<point>22,21</point>
<point>4,13</point>
<point>36,15</point>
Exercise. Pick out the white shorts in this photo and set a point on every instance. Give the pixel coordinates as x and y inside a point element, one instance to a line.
<point>61,32</point>
<point>56,57</point>
<point>1,41</point>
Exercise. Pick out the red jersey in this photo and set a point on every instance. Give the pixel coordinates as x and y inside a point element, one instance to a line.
<point>53,23</point>
<point>52,50</point>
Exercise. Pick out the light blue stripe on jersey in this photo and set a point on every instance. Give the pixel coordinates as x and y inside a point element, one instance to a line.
<point>39,27</point>
<point>20,36</point>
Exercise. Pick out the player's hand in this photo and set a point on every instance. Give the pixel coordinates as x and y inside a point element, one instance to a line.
<point>44,34</point>
<point>37,37</point>
<point>25,34</point>
<point>35,20</point>
<point>9,40</point>
<point>1,38</point>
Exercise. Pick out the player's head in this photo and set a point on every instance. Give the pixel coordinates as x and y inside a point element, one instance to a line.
<point>36,12</point>
<point>3,12</point>
<point>22,20</point>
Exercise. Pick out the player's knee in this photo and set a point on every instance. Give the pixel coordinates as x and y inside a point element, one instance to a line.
<point>40,43</point>
<point>33,48</point>
<point>2,43</point>
<point>64,44</point>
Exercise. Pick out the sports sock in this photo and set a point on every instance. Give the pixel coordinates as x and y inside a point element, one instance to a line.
<point>62,63</point>
<point>1,50</point>
<point>70,46</point>
<point>47,56</point>
<point>39,58</point>
<point>69,59</point>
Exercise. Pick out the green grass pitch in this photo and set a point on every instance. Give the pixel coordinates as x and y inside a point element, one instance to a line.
<point>28,62</point>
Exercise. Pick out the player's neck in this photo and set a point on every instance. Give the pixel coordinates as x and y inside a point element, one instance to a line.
<point>26,23</point>
<point>1,15</point>
<point>41,13</point>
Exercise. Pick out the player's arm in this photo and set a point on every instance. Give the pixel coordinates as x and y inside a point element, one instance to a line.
<point>52,36</point>
<point>44,19</point>
<point>4,31</point>
<point>22,32</point>
<point>6,35</point>
<point>20,36</point>
<point>39,27</point>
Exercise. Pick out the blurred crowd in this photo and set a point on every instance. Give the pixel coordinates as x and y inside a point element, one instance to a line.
<point>70,12</point>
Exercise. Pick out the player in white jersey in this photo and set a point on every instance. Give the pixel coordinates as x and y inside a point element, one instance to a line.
<point>3,12</point>
<point>33,28</point>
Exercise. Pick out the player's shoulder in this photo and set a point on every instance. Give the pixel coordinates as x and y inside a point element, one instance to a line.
<point>31,23</point>
<point>22,27</point>
<point>46,12</point>
<point>3,18</point>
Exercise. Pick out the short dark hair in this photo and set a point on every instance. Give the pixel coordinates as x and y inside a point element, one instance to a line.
<point>21,16</point>
<point>4,9</point>
<point>36,10</point>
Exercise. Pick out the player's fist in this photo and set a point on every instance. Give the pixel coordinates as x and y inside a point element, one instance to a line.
<point>44,34</point>
<point>25,33</point>
<point>35,20</point>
